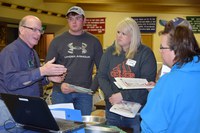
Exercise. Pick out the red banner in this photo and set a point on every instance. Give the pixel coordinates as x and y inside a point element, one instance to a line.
<point>95,25</point>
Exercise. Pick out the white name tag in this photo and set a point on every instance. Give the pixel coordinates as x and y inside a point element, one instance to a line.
<point>131,62</point>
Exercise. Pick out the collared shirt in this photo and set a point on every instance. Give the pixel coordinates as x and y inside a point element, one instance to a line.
<point>19,74</point>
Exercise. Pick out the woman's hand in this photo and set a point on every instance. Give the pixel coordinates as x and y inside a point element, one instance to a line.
<point>116,98</point>
<point>151,83</point>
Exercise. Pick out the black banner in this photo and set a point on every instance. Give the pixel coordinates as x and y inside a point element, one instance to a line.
<point>195,22</point>
<point>146,24</point>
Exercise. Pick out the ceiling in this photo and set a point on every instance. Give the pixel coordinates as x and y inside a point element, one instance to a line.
<point>187,7</point>
<point>140,6</point>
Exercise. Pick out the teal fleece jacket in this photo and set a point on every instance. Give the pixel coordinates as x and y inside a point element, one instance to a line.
<point>173,105</point>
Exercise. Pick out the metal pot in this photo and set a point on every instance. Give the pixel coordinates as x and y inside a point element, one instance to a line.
<point>93,120</point>
<point>100,129</point>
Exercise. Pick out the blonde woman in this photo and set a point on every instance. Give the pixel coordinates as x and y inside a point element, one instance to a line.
<point>129,58</point>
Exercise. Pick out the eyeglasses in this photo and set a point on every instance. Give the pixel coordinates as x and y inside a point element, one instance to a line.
<point>161,47</point>
<point>34,29</point>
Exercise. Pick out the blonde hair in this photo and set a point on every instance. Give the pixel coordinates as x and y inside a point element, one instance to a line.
<point>130,26</point>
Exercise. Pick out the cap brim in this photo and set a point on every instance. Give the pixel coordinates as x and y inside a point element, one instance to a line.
<point>74,12</point>
<point>162,22</point>
<point>69,13</point>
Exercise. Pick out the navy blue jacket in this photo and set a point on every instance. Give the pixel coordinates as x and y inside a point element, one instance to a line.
<point>18,72</point>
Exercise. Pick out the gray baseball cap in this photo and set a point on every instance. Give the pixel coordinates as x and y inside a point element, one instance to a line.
<point>76,9</point>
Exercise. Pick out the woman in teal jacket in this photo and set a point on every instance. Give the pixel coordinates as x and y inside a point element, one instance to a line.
<point>173,105</point>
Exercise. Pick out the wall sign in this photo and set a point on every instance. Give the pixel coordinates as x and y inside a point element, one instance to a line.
<point>146,24</point>
<point>195,22</point>
<point>95,25</point>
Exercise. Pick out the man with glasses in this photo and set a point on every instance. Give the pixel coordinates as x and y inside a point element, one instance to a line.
<point>20,70</point>
<point>78,51</point>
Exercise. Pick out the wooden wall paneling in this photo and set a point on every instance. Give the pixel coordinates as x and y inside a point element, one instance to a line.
<point>147,39</point>
<point>100,37</point>
<point>3,34</point>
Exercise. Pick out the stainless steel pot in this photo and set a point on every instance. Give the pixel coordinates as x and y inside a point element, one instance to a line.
<point>100,129</point>
<point>93,120</point>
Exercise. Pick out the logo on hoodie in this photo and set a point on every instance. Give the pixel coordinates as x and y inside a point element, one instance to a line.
<point>122,70</point>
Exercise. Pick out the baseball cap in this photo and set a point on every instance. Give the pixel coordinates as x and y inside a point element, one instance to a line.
<point>76,9</point>
<point>176,21</point>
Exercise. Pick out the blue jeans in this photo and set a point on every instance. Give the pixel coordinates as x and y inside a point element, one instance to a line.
<point>120,121</point>
<point>4,113</point>
<point>81,101</point>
